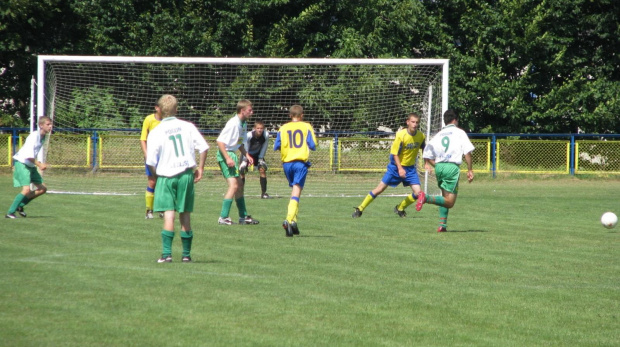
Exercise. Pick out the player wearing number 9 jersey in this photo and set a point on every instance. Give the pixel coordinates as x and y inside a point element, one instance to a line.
<point>170,154</point>
<point>295,139</point>
<point>445,153</point>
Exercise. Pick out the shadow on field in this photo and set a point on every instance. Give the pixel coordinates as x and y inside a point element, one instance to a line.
<point>466,231</point>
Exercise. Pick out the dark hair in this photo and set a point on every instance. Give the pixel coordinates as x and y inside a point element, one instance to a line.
<point>449,116</point>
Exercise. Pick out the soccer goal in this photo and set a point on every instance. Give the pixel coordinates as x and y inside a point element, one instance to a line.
<point>355,105</point>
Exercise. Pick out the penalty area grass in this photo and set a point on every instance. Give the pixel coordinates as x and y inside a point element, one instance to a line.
<point>525,263</point>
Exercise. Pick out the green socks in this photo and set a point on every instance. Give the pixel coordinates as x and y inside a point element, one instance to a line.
<point>226,204</point>
<point>168,236</point>
<point>241,207</point>
<point>435,200</point>
<point>186,239</point>
<point>16,203</point>
<point>166,240</point>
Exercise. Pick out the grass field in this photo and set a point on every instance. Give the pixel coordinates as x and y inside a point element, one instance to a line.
<point>526,263</point>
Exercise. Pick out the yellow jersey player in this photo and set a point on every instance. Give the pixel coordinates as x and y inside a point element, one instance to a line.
<point>150,122</point>
<point>401,168</point>
<point>295,139</point>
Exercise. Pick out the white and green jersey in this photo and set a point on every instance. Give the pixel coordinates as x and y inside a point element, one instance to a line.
<point>171,145</point>
<point>448,146</point>
<point>234,134</point>
<point>30,149</point>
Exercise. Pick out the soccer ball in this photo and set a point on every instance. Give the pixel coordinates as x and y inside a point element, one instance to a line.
<point>609,220</point>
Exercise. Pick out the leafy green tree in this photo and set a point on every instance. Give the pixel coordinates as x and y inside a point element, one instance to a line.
<point>29,28</point>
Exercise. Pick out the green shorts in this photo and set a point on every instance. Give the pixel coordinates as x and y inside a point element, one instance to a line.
<point>448,175</point>
<point>24,175</point>
<point>175,193</point>
<point>228,172</point>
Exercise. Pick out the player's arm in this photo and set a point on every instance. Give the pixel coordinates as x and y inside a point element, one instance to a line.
<point>263,149</point>
<point>152,155</point>
<point>401,171</point>
<point>311,139</point>
<point>143,145</point>
<point>221,146</point>
<point>246,155</point>
<point>277,144</point>
<point>429,158</point>
<point>144,136</point>
<point>470,171</point>
<point>201,166</point>
<point>394,151</point>
<point>42,166</point>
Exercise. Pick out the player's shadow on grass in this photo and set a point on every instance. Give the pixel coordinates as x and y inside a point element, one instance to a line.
<point>466,231</point>
<point>315,236</point>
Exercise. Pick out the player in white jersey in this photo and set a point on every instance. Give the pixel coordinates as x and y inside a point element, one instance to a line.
<point>445,153</point>
<point>25,168</point>
<point>231,139</point>
<point>170,155</point>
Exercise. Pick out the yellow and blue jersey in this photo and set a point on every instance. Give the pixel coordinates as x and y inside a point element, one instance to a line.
<point>295,140</point>
<point>406,147</point>
<point>150,122</point>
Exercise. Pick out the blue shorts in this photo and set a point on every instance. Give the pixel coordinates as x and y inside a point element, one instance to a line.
<point>296,172</point>
<point>392,179</point>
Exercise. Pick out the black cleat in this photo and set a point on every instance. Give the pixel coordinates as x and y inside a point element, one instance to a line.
<point>288,228</point>
<point>401,214</point>
<point>357,213</point>
<point>21,212</point>
<point>247,220</point>
<point>295,228</point>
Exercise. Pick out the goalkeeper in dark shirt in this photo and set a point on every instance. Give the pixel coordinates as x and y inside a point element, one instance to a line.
<point>256,146</point>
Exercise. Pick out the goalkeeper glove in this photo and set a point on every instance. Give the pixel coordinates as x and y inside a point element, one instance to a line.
<point>243,167</point>
<point>262,163</point>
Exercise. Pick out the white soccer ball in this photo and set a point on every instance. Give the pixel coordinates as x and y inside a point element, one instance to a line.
<point>609,220</point>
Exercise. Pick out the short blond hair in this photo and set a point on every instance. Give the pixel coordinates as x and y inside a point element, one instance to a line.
<point>243,104</point>
<point>168,105</point>
<point>44,119</point>
<point>413,115</point>
<point>296,111</point>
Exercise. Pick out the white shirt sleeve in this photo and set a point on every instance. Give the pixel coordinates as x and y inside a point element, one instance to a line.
<point>263,149</point>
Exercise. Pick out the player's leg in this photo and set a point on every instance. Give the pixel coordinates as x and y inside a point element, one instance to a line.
<point>165,195</point>
<point>149,194</point>
<point>231,175</point>
<point>412,180</point>
<point>21,179</point>
<point>296,173</point>
<point>372,195</point>
<point>228,200</point>
<point>185,198</point>
<point>448,175</point>
<point>262,171</point>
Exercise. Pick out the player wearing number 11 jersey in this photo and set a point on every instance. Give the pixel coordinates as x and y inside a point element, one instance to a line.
<point>445,152</point>
<point>170,155</point>
<point>295,139</point>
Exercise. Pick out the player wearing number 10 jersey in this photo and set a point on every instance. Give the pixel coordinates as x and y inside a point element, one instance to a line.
<point>295,139</point>
<point>170,154</point>
<point>445,152</point>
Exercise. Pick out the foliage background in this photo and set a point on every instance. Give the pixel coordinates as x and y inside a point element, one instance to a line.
<point>547,66</point>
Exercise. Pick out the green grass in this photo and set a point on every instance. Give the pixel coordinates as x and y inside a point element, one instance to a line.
<point>526,263</point>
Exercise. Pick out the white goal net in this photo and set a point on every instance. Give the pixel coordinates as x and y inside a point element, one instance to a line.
<point>355,105</point>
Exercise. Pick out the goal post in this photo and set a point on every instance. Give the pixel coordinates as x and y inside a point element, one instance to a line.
<point>355,106</point>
